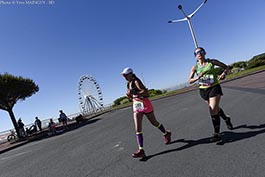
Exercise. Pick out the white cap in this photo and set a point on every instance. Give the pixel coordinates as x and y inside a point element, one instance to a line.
<point>127,71</point>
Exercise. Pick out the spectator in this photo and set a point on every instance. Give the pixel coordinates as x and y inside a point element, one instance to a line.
<point>52,127</point>
<point>63,118</point>
<point>79,118</point>
<point>21,129</point>
<point>38,123</point>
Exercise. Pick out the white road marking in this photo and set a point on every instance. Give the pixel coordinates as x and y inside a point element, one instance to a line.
<point>12,156</point>
<point>118,146</point>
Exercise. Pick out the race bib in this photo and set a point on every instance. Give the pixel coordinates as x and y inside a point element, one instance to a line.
<point>138,105</point>
<point>206,80</point>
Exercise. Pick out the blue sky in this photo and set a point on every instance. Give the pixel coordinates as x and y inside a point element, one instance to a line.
<point>54,45</point>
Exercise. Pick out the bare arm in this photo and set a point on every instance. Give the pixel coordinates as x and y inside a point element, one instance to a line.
<point>128,93</point>
<point>222,65</point>
<point>142,90</point>
<point>192,73</point>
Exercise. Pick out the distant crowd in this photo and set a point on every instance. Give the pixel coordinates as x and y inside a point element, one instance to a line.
<point>37,125</point>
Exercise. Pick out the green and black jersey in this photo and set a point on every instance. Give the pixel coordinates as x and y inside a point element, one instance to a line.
<point>209,77</point>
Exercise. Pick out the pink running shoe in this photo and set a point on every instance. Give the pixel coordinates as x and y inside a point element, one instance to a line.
<point>139,154</point>
<point>167,138</point>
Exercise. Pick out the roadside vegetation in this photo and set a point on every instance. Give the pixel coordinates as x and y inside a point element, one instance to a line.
<point>12,90</point>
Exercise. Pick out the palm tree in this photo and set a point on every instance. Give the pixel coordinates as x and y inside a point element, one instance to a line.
<point>12,89</point>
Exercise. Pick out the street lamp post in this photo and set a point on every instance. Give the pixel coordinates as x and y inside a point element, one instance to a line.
<point>188,19</point>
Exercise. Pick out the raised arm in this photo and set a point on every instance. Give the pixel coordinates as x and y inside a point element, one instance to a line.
<point>142,89</point>
<point>222,65</point>
<point>192,73</point>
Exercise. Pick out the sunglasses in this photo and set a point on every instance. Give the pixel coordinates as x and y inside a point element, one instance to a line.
<point>199,52</point>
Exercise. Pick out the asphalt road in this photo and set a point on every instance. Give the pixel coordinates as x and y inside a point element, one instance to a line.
<point>103,148</point>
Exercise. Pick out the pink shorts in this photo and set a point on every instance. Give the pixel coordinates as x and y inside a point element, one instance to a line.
<point>142,105</point>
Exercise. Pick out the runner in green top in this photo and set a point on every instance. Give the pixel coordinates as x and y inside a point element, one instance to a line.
<point>210,89</point>
<point>209,77</point>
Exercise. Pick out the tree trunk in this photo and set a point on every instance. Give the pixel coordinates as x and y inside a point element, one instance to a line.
<point>14,121</point>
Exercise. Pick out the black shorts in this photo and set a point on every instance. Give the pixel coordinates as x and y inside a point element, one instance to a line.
<point>211,92</point>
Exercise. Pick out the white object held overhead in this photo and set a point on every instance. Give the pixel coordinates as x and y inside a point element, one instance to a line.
<point>187,18</point>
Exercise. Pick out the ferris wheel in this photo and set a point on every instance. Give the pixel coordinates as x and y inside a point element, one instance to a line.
<point>90,95</point>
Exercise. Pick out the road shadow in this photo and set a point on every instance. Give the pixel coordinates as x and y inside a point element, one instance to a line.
<point>60,130</point>
<point>227,137</point>
<point>261,126</point>
<point>84,123</point>
<point>251,90</point>
<point>189,144</point>
<point>230,137</point>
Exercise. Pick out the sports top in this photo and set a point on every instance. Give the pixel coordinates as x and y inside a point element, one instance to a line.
<point>134,90</point>
<point>209,78</point>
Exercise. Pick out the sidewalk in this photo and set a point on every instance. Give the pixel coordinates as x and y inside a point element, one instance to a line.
<point>6,146</point>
